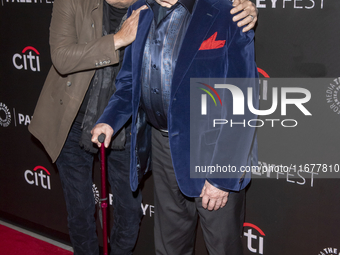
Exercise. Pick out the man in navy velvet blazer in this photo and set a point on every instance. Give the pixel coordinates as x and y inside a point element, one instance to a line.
<point>212,46</point>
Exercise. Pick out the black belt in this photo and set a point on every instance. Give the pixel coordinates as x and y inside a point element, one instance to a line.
<point>164,133</point>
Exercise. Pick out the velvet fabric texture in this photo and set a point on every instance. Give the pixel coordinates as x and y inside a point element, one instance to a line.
<point>234,59</point>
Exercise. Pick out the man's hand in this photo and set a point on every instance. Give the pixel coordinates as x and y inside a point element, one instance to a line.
<point>128,31</point>
<point>248,14</point>
<point>99,129</point>
<point>212,197</point>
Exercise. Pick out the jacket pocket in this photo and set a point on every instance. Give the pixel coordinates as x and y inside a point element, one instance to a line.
<point>212,53</point>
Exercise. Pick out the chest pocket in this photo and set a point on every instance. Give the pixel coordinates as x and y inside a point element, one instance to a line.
<point>213,47</point>
<point>212,53</point>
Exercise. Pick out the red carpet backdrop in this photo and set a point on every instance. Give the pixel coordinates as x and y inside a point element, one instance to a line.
<point>287,213</point>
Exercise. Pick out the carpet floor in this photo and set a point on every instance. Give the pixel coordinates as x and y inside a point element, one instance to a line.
<point>13,242</point>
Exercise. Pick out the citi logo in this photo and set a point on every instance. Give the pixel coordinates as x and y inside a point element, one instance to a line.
<point>257,245</point>
<point>263,72</point>
<point>29,58</point>
<point>40,176</point>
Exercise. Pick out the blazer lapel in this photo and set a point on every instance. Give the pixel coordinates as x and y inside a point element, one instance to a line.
<point>145,19</point>
<point>203,17</point>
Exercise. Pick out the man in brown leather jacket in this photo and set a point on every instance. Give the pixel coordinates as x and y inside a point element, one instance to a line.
<point>86,59</point>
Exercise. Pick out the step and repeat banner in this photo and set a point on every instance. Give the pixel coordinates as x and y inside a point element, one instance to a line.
<point>292,202</point>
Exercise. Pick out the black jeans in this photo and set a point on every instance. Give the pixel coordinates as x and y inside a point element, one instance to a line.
<point>75,169</point>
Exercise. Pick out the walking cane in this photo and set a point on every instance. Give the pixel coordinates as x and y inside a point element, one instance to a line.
<point>103,200</point>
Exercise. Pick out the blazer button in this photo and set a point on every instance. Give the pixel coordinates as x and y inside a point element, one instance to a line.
<point>100,63</point>
<point>97,64</point>
<point>155,90</point>
<point>109,61</point>
<point>69,84</point>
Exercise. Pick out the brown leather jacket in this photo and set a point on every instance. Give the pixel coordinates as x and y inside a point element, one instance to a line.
<point>77,49</point>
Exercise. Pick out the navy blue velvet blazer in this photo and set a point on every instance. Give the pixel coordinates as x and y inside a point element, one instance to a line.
<point>234,59</point>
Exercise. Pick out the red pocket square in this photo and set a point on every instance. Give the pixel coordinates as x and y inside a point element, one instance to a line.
<point>211,43</point>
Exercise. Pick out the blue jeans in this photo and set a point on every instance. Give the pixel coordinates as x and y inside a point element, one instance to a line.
<point>75,168</point>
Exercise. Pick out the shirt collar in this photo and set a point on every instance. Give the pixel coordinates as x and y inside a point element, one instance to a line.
<point>188,4</point>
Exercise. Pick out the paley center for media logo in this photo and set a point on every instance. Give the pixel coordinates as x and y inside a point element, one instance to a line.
<point>5,115</point>
<point>147,209</point>
<point>244,93</point>
<point>329,251</point>
<point>28,59</point>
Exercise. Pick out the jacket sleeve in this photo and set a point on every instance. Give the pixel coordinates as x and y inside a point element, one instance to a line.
<point>68,53</point>
<point>235,143</point>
